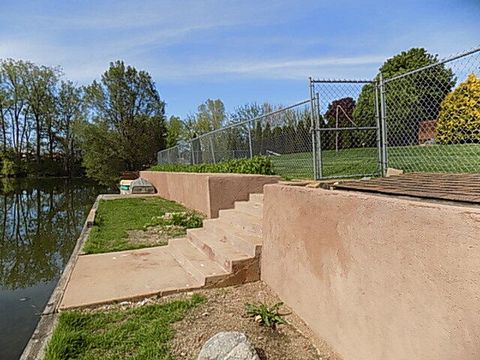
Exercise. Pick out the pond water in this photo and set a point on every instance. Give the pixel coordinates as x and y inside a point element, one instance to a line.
<point>40,221</point>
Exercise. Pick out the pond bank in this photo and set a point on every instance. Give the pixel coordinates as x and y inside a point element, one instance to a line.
<point>35,348</point>
<point>40,222</point>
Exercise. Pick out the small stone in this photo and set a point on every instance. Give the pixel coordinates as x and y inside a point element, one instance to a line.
<point>228,345</point>
<point>393,172</point>
<point>183,354</point>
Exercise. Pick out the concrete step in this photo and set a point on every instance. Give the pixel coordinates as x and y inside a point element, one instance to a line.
<point>218,249</point>
<point>250,207</point>
<point>195,262</point>
<point>246,222</point>
<point>247,242</point>
<point>256,197</point>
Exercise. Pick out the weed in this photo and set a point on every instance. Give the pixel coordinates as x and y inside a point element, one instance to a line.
<point>266,315</point>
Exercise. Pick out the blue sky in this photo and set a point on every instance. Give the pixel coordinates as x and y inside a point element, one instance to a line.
<point>238,51</point>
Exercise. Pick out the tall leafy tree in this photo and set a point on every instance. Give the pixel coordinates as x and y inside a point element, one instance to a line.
<point>126,109</point>
<point>40,86</point>
<point>175,130</point>
<point>210,116</point>
<point>411,99</point>
<point>69,110</point>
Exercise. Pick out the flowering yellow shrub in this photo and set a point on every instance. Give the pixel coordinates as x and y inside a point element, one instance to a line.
<point>459,118</point>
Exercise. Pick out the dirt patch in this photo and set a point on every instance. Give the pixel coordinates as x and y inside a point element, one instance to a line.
<point>224,310</point>
<point>155,235</point>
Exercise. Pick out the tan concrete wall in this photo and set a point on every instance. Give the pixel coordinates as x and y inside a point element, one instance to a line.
<point>188,189</point>
<point>376,277</point>
<point>207,193</point>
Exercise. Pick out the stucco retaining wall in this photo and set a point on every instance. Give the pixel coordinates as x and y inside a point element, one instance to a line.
<point>207,193</point>
<point>376,277</point>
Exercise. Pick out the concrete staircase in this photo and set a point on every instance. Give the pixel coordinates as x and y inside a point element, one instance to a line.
<point>226,250</point>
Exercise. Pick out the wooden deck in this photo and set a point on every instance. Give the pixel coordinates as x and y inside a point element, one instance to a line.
<point>452,187</point>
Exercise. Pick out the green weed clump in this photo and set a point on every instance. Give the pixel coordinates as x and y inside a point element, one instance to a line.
<point>266,315</point>
<point>260,165</point>
<point>184,219</point>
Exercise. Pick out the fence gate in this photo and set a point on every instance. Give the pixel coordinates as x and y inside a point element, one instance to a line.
<point>347,133</point>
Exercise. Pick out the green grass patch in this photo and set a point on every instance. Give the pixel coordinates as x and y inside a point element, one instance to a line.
<point>115,218</point>
<point>138,333</point>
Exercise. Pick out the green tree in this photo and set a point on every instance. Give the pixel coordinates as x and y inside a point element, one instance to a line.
<point>410,99</point>
<point>126,106</point>
<point>209,116</point>
<point>459,119</point>
<point>175,130</point>
<point>13,82</point>
<point>40,85</point>
<point>69,111</point>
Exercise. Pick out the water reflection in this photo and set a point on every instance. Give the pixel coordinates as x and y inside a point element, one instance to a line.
<point>40,221</point>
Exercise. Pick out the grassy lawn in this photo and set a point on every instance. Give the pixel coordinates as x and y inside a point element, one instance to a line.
<point>345,162</point>
<point>137,333</point>
<point>115,219</point>
<point>435,158</point>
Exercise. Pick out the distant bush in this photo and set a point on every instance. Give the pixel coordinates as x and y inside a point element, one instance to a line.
<point>261,165</point>
<point>459,119</point>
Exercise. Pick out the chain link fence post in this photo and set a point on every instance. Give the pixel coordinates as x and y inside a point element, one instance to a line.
<point>379,127</point>
<point>383,125</point>
<point>317,172</point>
<point>250,147</point>
<point>318,136</point>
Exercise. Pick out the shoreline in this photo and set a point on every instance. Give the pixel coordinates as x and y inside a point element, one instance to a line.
<point>35,348</point>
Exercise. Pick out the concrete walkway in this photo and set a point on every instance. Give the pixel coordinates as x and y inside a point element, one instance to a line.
<point>117,276</point>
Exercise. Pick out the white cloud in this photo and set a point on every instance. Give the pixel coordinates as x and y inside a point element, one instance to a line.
<point>277,69</point>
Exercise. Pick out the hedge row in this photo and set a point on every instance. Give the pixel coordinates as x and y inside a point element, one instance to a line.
<point>261,165</point>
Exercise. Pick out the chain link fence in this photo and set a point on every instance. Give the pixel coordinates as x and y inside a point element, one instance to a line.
<point>432,116</point>
<point>425,120</point>
<point>284,135</point>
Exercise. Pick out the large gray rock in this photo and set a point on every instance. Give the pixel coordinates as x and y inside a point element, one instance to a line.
<point>228,346</point>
